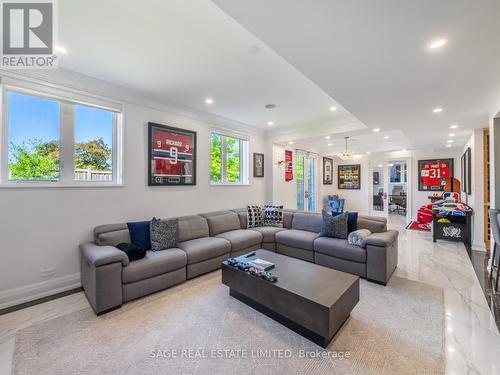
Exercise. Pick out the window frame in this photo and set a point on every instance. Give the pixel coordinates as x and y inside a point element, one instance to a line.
<point>68,101</point>
<point>244,156</point>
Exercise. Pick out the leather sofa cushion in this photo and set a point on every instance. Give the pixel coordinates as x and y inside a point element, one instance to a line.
<point>241,238</point>
<point>192,227</point>
<point>201,249</point>
<point>153,264</point>
<point>307,221</point>
<point>268,233</point>
<point>297,238</point>
<point>340,248</point>
<point>384,239</point>
<point>222,221</point>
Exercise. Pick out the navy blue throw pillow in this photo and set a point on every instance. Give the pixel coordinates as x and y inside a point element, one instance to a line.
<point>352,220</point>
<point>133,252</point>
<point>139,234</point>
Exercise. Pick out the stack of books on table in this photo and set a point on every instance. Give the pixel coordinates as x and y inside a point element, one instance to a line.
<point>261,264</point>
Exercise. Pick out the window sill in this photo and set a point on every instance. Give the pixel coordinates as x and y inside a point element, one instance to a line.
<point>226,185</point>
<point>44,185</point>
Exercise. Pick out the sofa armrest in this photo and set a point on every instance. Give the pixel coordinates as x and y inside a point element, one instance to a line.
<point>102,255</point>
<point>381,256</point>
<point>101,273</point>
<point>383,239</point>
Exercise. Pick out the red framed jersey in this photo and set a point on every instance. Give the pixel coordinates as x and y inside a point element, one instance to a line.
<point>434,173</point>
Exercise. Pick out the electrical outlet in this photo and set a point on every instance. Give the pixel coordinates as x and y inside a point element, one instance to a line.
<point>48,273</point>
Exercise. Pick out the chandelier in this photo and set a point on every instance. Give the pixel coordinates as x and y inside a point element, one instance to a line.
<point>346,154</point>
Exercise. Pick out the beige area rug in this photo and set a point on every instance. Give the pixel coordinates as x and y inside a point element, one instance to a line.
<point>397,329</point>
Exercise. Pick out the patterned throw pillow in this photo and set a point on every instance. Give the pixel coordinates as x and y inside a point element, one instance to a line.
<point>164,234</point>
<point>358,237</point>
<point>273,216</point>
<point>255,216</point>
<point>334,226</point>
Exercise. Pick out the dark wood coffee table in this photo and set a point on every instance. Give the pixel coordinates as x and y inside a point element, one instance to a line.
<point>312,300</point>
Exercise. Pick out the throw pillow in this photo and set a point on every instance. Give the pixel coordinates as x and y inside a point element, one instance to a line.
<point>273,215</point>
<point>352,220</point>
<point>334,226</point>
<point>139,234</point>
<point>255,217</point>
<point>358,237</point>
<point>133,252</point>
<point>164,234</point>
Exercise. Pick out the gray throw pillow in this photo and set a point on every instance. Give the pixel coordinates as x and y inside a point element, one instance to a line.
<point>164,234</point>
<point>357,237</point>
<point>334,226</point>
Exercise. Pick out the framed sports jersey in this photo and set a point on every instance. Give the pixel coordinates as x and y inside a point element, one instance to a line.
<point>432,174</point>
<point>171,156</point>
<point>349,176</point>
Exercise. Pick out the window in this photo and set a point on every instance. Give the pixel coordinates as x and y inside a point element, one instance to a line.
<point>229,160</point>
<point>57,141</point>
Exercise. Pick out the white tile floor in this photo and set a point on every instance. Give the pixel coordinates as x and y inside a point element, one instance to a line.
<point>472,337</point>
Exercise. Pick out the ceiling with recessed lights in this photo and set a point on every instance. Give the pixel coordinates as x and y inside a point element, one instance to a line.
<point>337,68</point>
<point>191,54</point>
<point>413,66</point>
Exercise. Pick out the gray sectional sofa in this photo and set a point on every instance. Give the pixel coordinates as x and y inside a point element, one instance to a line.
<point>205,240</point>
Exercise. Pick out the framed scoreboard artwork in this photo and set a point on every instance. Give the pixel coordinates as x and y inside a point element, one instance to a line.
<point>171,156</point>
<point>432,174</point>
<point>349,177</point>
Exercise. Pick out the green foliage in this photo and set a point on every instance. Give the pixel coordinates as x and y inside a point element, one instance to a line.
<point>35,160</point>
<point>95,155</point>
<point>215,158</point>
<point>233,159</point>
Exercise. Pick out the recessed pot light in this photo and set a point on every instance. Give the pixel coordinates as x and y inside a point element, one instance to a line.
<point>437,110</point>
<point>270,123</point>
<point>290,143</point>
<point>386,137</point>
<point>448,145</point>
<point>376,130</point>
<point>451,135</point>
<point>329,145</point>
<point>209,101</point>
<point>438,43</point>
<point>327,137</point>
<point>368,152</point>
<point>403,149</point>
<point>333,109</point>
<point>270,106</point>
<point>453,126</point>
<point>450,141</point>
<point>380,165</point>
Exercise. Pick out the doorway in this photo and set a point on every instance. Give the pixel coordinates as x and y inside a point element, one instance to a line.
<point>390,190</point>
<point>305,170</point>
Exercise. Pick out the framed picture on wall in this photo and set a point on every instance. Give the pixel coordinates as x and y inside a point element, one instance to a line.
<point>171,156</point>
<point>376,178</point>
<point>433,174</point>
<point>349,176</point>
<point>465,167</point>
<point>258,165</point>
<point>327,171</point>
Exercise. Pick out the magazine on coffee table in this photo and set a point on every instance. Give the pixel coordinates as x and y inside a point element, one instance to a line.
<point>261,264</point>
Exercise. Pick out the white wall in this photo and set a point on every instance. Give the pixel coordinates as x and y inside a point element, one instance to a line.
<point>476,198</point>
<point>360,200</point>
<point>42,227</point>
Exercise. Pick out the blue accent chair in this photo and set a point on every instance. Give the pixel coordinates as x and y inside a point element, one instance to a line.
<point>336,204</point>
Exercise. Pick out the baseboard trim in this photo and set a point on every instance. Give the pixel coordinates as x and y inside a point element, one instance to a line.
<point>478,246</point>
<point>32,292</point>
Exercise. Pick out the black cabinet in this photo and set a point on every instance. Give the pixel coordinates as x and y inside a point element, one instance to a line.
<point>458,228</point>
